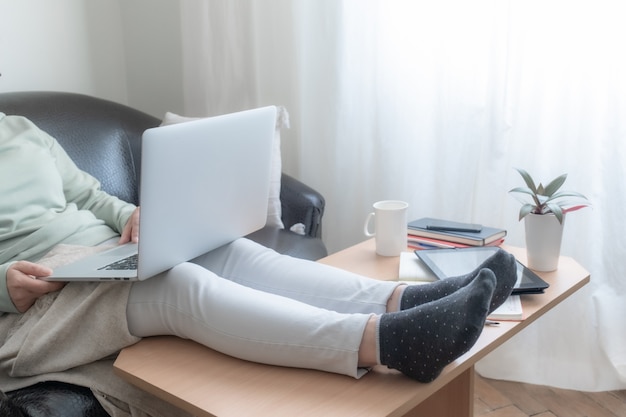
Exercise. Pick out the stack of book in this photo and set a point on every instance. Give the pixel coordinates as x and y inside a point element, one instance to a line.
<point>429,233</point>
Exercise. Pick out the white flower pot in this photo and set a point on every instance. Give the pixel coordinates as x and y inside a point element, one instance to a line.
<point>543,241</point>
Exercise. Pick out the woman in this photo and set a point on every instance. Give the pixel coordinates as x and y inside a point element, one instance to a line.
<point>241,299</point>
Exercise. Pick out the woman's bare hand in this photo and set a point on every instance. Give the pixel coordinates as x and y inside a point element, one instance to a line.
<point>131,229</point>
<point>24,287</point>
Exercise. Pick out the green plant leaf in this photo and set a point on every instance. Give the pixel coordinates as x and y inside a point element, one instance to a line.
<point>547,199</point>
<point>540,189</point>
<point>524,190</point>
<point>556,209</point>
<point>554,185</point>
<point>527,179</point>
<point>525,210</point>
<point>568,194</point>
<point>574,208</point>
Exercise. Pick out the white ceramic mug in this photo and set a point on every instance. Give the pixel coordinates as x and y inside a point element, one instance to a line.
<point>390,226</point>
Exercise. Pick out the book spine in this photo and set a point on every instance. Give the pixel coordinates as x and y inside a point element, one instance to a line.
<point>497,242</point>
<point>420,242</point>
<point>445,237</point>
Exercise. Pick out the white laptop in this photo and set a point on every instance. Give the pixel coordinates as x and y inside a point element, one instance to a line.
<point>204,184</point>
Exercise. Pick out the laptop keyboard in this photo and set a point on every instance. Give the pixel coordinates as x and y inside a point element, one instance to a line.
<point>125,264</point>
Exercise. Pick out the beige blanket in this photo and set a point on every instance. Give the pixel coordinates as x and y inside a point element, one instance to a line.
<point>74,336</point>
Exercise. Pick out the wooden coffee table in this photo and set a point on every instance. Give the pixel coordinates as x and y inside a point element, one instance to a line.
<point>207,383</point>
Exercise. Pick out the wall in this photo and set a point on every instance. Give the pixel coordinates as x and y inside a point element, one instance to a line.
<point>68,45</point>
<point>117,50</point>
<point>153,55</point>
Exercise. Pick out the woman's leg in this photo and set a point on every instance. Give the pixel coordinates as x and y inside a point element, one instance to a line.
<point>191,302</point>
<point>255,266</point>
<point>421,341</point>
<point>501,263</point>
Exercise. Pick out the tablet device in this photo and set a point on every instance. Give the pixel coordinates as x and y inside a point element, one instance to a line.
<point>454,262</point>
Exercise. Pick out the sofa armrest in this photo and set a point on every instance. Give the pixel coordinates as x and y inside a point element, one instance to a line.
<point>301,204</point>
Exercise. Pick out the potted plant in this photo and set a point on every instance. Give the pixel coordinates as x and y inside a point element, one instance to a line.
<point>543,210</point>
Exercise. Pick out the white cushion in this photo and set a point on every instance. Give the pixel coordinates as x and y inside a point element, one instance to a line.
<point>274,211</point>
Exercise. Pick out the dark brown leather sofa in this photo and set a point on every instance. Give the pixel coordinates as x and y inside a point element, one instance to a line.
<point>104,139</point>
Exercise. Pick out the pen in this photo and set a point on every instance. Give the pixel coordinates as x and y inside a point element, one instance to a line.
<point>491,323</point>
<point>427,246</point>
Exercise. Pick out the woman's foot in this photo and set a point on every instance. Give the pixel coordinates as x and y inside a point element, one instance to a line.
<point>501,263</point>
<point>422,340</point>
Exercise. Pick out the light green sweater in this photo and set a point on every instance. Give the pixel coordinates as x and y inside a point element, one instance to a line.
<point>45,199</point>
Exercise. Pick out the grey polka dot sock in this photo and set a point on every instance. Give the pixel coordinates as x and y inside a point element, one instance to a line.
<point>501,263</point>
<point>422,340</point>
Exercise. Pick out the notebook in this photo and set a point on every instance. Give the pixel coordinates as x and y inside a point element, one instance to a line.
<point>204,184</point>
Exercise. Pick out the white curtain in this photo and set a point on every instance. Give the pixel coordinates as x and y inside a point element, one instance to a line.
<point>435,103</point>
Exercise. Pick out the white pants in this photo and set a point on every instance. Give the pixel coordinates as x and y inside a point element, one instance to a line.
<point>250,302</point>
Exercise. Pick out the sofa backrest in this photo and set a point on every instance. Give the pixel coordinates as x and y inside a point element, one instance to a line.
<point>102,137</point>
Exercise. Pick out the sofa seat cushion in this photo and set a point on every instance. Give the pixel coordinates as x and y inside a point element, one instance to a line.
<point>290,243</point>
<point>51,399</point>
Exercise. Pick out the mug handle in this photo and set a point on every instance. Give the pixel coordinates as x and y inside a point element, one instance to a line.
<point>367,223</point>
